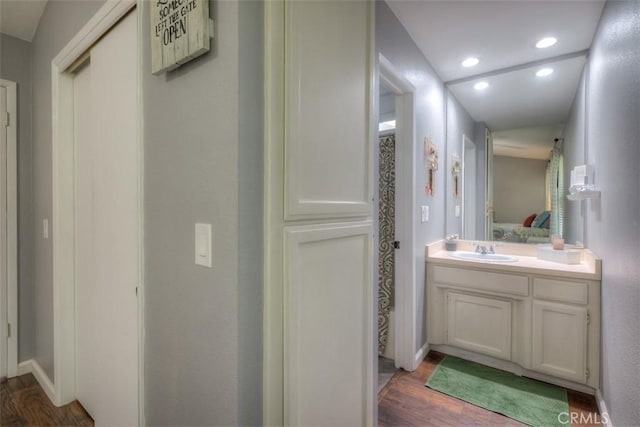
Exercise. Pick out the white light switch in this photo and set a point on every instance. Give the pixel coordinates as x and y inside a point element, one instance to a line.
<point>425,213</point>
<point>203,245</point>
<point>45,228</point>
<point>457,211</point>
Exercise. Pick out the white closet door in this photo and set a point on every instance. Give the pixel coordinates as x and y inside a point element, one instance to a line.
<point>3,233</point>
<point>106,228</point>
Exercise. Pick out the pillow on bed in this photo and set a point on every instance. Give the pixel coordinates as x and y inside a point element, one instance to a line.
<point>528,220</point>
<point>541,220</point>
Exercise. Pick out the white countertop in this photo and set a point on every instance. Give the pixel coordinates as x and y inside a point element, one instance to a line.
<point>589,268</point>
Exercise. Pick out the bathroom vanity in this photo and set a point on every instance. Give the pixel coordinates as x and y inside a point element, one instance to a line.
<point>533,317</point>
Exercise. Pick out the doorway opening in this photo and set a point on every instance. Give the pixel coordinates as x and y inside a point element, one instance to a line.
<point>8,230</point>
<point>394,208</point>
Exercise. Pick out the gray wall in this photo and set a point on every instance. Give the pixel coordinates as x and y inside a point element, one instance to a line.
<point>60,21</point>
<point>250,216</point>
<point>15,65</point>
<point>459,123</point>
<point>393,41</point>
<point>613,147</point>
<point>518,188</point>
<point>203,163</point>
<point>573,155</point>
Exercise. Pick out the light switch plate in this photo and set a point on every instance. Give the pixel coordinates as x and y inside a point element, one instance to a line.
<point>203,245</point>
<point>424,213</point>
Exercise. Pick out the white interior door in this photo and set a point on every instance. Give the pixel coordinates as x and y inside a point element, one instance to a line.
<point>107,228</point>
<point>3,233</point>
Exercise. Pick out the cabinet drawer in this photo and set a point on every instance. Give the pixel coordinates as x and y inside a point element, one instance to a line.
<point>560,290</point>
<point>482,280</point>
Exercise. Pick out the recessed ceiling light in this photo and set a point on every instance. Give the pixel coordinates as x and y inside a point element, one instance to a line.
<point>481,86</point>
<point>543,72</point>
<point>546,42</point>
<point>470,62</point>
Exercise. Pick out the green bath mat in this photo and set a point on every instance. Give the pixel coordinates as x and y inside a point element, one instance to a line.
<point>528,401</point>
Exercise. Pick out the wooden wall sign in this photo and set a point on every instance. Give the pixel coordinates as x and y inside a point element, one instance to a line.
<point>180,32</point>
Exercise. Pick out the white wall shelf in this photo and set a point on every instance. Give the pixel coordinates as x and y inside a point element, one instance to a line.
<point>584,194</point>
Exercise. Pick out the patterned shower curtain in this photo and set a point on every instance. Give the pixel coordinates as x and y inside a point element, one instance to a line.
<point>386,220</point>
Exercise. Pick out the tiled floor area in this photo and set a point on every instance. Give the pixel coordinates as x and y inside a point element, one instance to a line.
<point>386,370</point>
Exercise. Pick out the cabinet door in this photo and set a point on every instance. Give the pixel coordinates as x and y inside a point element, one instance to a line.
<point>560,340</point>
<point>328,324</point>
<point>327,77</point>
<point>479,324</point>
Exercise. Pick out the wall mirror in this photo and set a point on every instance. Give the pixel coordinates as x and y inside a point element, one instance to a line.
<point>508,128</point>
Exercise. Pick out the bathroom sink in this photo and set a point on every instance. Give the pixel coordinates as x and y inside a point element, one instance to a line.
<point>476,256</point>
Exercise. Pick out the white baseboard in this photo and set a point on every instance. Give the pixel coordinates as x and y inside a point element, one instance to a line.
<point>602,408</point>
<point>420,355</point>
<point>31,366</point>
<point>24,367</point>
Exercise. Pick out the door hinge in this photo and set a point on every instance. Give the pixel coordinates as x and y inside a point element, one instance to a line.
<point>8,330</point>
<point>587,374</point>
<point>588,318</point>
<point>396,244</point>
<point>6,119</point>
<point>136,291</point>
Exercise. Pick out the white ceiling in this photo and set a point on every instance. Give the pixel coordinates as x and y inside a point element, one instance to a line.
<point>20,18</point>
<point>503,34</point>
<point>521,99</point>
<point>500,33</point>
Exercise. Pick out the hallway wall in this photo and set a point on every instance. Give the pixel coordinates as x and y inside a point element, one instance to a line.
<point>15,65</point>
<point>395,44</point>
<point>203,163</point>
<point>612,223</point>
<point>459,123</point>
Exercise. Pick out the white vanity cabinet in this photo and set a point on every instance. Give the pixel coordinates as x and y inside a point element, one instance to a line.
<point>565,333</point>
<point>547,324</point>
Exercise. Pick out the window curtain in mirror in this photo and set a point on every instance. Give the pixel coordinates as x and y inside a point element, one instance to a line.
<point>386,224</point>
<point>555,189</point>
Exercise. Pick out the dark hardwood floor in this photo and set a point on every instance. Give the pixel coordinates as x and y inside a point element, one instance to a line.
<point>24,403</point>
<point>405,401</point>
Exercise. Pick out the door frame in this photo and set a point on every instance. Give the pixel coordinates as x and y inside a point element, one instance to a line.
<point>470,233</point>
<point>10,299</point>
<point>405,208</point>
<point>62,221</point>
<point>488,185</point>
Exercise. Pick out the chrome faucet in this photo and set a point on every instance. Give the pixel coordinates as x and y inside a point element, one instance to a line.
<point>481,249</point>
